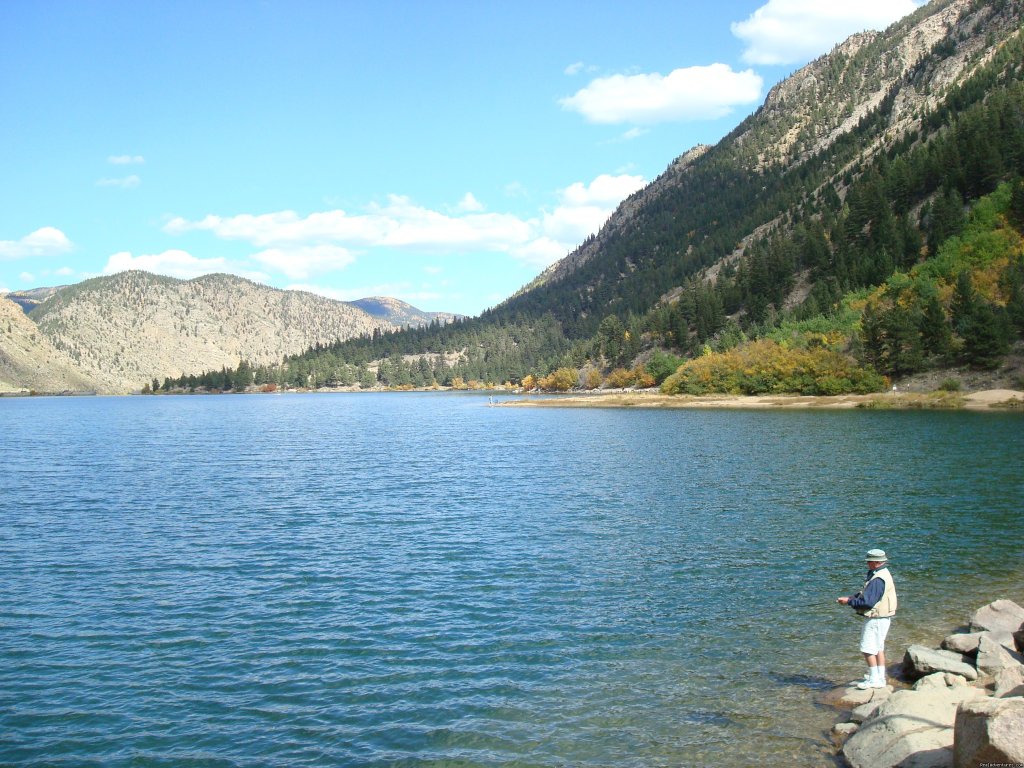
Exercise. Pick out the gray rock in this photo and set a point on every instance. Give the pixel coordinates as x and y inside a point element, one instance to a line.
<point>851,696</point>
<point>912,728</point>
<point>865,711</point>
<point>963,642</point>
<point>968,642</point>
<point>989,732</point>
<point>954,680</point>
<point>993,657</point>
<point>920,661</point>
<point>1002,615</point>
<point>842,731</point>
<point>1009,682</point>
<point>934,681</point>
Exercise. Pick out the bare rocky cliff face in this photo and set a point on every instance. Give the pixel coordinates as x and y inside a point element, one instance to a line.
<point>124,330</point>
<point>28,361</point>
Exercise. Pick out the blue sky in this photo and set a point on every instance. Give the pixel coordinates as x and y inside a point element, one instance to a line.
<point>441,152</point>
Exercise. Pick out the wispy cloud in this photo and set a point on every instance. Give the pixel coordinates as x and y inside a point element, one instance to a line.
<point>177,263</point>
<point>469,203</point>
<point>325,241</point>
<point>298,263</point>
<point>127,182</point>
<point>789,31</point>
<point>46,241</point>
<point>691,93</point>
<point>126,159</point>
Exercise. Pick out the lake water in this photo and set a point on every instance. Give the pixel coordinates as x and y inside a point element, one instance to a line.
<point>421,580</point>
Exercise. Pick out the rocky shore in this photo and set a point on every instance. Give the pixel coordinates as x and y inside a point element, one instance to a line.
<point>1005,399</point>
<point>957,706</point>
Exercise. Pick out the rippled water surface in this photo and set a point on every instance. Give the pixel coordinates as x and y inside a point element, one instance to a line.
<point>422,580</point>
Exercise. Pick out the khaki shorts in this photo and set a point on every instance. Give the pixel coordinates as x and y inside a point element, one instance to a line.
<point>872,639</point>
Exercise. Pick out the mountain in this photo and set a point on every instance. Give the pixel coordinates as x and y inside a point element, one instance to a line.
<point>28,361</point>
<point>399,313</point>
<point>32,298</point>
<point>856,169</point>
<point>126,329</point>
<point>815,131</point>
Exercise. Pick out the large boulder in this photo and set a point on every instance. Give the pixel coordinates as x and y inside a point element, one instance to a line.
<point>963,642</point>
<point>920,660</point>
<point>1009,682</point>
<point>1000,616</point>
<point>912,728</point>
<point>967,642</point>
<point>993,657</point>
<point>989,732</point>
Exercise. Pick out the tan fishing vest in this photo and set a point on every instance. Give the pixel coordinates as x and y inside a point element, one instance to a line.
<point>886,605</point>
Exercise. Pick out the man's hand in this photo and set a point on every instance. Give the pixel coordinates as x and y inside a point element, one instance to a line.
<point>842,600</point>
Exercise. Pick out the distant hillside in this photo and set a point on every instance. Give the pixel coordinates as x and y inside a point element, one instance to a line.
<point>399,313</point>
<point>126,329</point>
<point>30,299</point>
<point>28,361</point>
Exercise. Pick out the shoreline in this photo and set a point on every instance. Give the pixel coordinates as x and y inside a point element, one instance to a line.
<point>984,400</point>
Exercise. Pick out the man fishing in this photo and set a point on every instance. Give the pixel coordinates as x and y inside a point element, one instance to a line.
<point>876,602</point>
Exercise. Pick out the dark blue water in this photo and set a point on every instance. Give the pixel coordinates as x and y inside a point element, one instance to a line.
<point>421,580</point>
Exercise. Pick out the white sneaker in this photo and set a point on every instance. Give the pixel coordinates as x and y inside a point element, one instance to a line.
<point>865,684</point>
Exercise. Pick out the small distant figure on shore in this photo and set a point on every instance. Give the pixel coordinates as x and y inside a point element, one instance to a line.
<point>876,602</point>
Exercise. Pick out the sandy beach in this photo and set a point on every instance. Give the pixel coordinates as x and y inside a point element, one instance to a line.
<point>1004,399</point>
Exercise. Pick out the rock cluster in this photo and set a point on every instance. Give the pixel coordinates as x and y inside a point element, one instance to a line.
<point>964,709</point>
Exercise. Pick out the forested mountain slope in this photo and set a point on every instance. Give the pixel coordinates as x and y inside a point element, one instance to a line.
<point>814,132</point>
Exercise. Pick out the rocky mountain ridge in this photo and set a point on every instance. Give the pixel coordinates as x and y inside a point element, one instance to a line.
<point>123,330</point>
<point>28,361</point>
<point>401,313</point>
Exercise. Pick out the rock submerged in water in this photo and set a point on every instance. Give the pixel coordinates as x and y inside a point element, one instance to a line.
<point>921,660</point>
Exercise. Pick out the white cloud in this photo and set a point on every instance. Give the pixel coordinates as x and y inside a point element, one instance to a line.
<point>128,182</point>
<point>64,272</point>
<point>634,133</point>
<point>301,262</point>
<point>302,246</point>
<point>27,277</point>
<point>126,159</point>
<point>691,93</point>
<point>399,223</point>
<point>179,264</point>
<point>46,241</point>
<point>575,68</point>
<point>470,204</point>
<point>789,31</point>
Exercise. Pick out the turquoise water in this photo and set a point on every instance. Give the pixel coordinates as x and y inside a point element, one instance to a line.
<point>421,580</point>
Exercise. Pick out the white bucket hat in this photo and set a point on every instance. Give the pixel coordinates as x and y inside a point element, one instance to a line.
<point>876,556</point>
